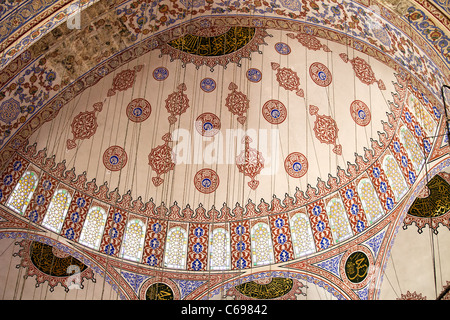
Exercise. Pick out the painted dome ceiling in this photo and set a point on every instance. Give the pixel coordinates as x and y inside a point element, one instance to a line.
<point>227,136</point>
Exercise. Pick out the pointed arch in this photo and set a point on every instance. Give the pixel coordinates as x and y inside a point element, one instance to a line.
<point>302,237</point>
<point>339,224</point>
<point>133,241</point>
<point>176,246</point>
<point>57,210</point>
<point>369,199</point>
<point>261,242</point>
<point>23,191</point>
<point>92,232</point>
<point>395,177</point>
<point>220,256</point>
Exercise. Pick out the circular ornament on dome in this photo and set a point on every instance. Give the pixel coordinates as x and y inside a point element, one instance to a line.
<point>206,180</point>
<point>115,158</point>
<point>360,113</point>
<point>296,165</point>
<point>282,48</point>
<point>207,124</point>
<point>320,74</point>
<point>357,267</point>
<point>274,111</point>
<point>208,85</point>
<point>160,74</point>
<point>138,110</point>
<point>254,75</point>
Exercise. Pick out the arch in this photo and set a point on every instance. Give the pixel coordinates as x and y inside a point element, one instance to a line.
<point>302,237</point>
<point>92,232</point>
<point>219,256</point>
<point>57,210</point>
<point>23,191</point>
<point>369,199</point>
<point>261,243</point>
<point>176,246</point>
<point>339,224</point>
<point>395,177</point>
<point>133,241</point>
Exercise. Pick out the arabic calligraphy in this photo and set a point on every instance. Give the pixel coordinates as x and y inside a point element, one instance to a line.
<point>232,40</point>
<point>274,289</point>
<point>436,204</point>
<point>357,266</point>
<point>159,291</point>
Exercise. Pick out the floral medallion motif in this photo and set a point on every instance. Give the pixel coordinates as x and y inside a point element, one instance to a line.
<point>320,74</point>
<point>296,165</point>
<point>309,41</point>
<point>274,111</point>
<point>138,110</point>
<point>161,159</point>
<point>115,158</point>
<point>237,103</point>
<point>363,71</point>
<point>282,48</point>
<point>207,124</point>
<point>84,125</point>
<point>206,181</point>
<point>208,85</point>
<point>124,80</point>
<point>325,129</point>
<point>177,103</point>
<point>254,75</point>
<point>250,162</point>
<point>288,79</point>
<point>360,113</point>
<point>160,74</point>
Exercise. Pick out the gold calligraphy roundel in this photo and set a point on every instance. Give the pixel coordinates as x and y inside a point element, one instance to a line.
<point>357,267</point>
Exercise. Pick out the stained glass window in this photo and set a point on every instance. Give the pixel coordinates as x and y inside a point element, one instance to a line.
<point>92,232</point>
<point>133,242</point>
<point>57,210</point>
<point>261,243</point>
<point>422,115</point>
<point>395,177</point>
<point>412,148</point>
<point>339,224</point>
<point>176,246</point>
<point>370,202</point>
<point>219,258</point>
<point>21,196</point>
<point>302,238</point>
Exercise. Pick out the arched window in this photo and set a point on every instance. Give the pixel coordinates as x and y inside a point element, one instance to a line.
<point>21,196</point>
<point>302,237</point>
<point>370,202</point>
<point>133,242</point>
<point>57,210</point>
<point>261,243</point>
<point>412,148</point>
<point>395,177</point>
<point>219,256</point>
<point>339,224</point>
<point>176,246</point>
<point>92,232</point>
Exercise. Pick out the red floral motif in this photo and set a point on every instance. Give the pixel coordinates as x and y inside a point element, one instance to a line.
<point>115,158</point>
<point>138,110</point>
<point>84,125</point>
<point>296,165</point>
<point>177,103</point>
<point>274,111</point>
<point>309,41</point>
<point>325,129</point>
<point>207,124</point>
<point>363,71</point>
<point>250,162</point>
<point>320,74</point>
<point>288,79</point>
<point>161,159</point>
<point>124,80</point>
<point>360,113</point>
<point>237,103</point>
<point>206,180</point>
